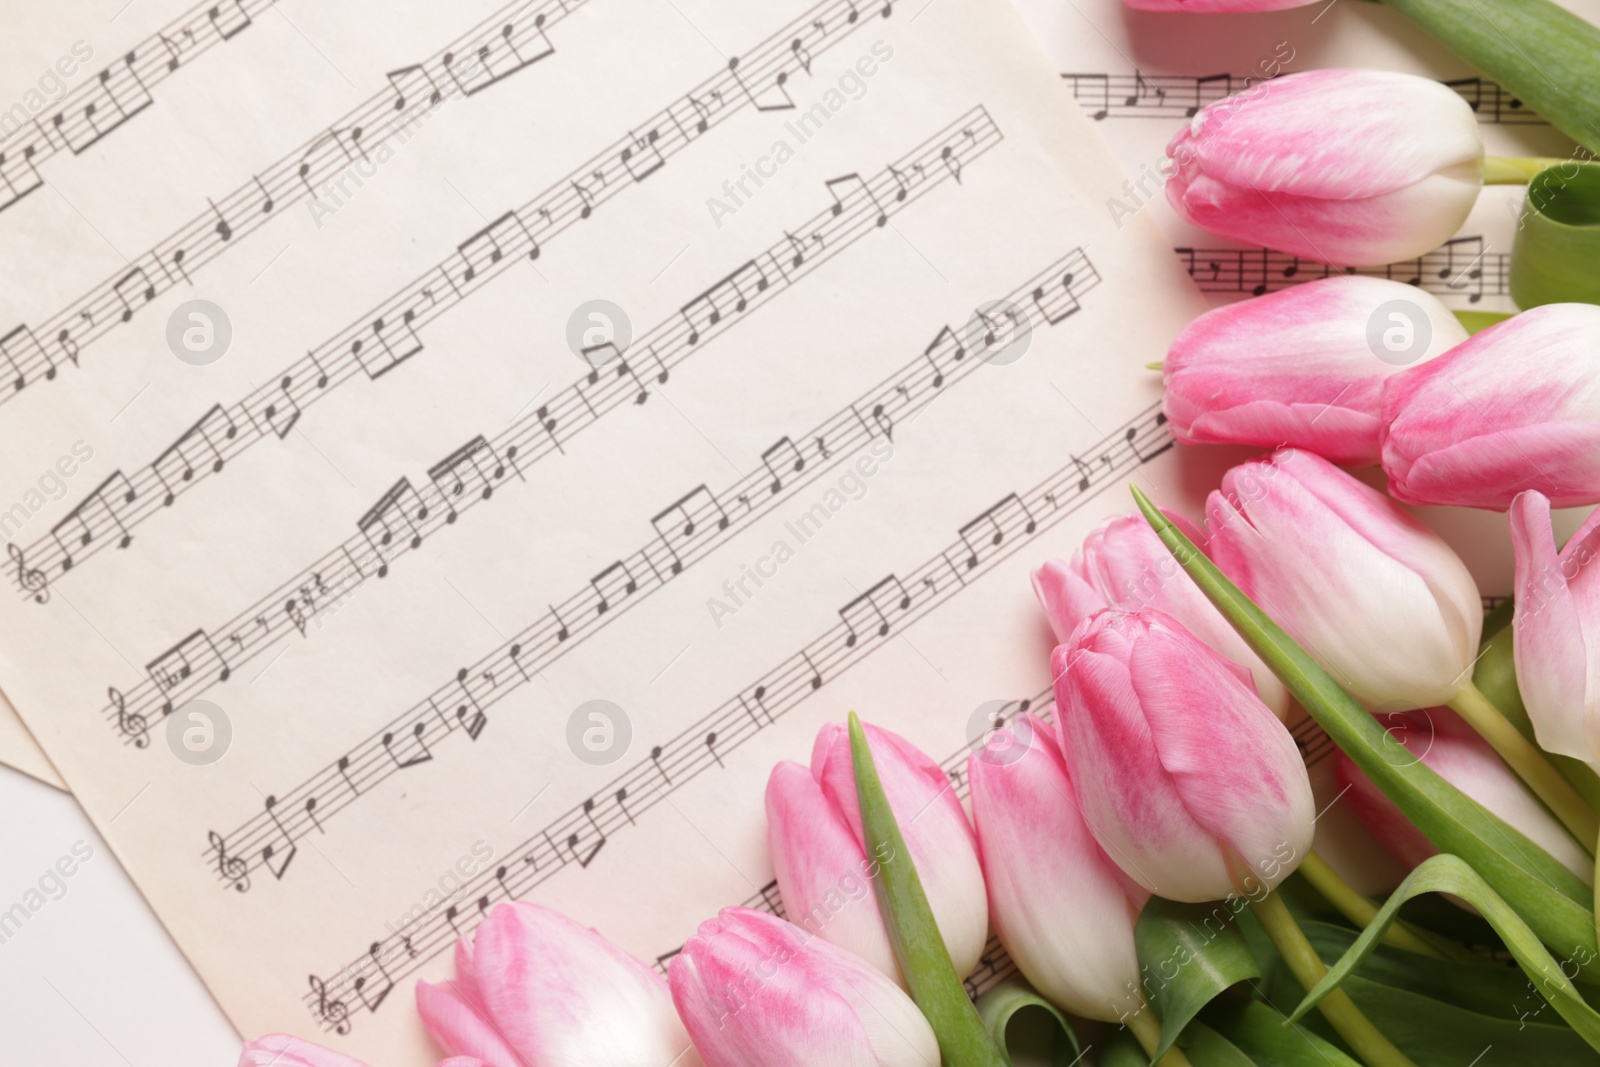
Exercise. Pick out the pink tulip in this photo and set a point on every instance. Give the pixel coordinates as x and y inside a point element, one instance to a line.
<point>1190,784</point>
<point>756,991</point>
<point>1124,565</point>
<point>1063,910</point>
<point>1442,742</point>
<point>1515,407</point>
<point>284,1050</point>
<point>1356,167</point>
<point>1376,598</point>
<point>1557,628</point>
<point>1216,6</point>
<point>1302,367</point>
<point>819,856</point>
<point>535,989</point>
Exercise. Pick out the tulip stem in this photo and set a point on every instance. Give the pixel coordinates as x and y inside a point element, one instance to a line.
<point>1361,911</point>
<point>1514,170</point>
<point>1529,763</point>
<point>1337,1007</point>
<point>1147,1029</point>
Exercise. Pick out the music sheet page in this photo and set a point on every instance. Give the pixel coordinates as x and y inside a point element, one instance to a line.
<point>492,435</point>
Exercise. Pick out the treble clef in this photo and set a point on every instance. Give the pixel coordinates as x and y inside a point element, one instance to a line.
<point>31,579</point>
<point>331,1012</point>
<point>131,723</point>
<point>231,868</point>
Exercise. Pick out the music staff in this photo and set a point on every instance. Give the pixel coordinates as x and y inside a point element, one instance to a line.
<point>1173,96</point>
<point>106,100</point>
<point>502,45</point>
<point>406,515</point>
<point>1462,267</point>
<point>708,742</point>
<point>687,531</point>
<point>389,336</point>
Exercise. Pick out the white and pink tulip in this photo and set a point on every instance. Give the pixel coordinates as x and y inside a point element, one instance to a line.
<point>536,989</point>
<point>755,991</point>
<point>1353,167</point>
<point>1186,779</point>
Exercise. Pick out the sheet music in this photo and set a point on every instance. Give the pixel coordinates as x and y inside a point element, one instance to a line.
<point>589,408</point>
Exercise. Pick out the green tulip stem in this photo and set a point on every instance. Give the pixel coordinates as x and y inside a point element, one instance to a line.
<point>1361,911</point>
<point>1523,757</point>
<point>1337,1007</point>
<point>1514,170</point>
<point>918,946</point>
<point>1147,1029</point>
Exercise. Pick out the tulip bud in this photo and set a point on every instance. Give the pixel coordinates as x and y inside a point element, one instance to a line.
<point>535,989</point>
<point>1190,784</point>
<point>755,991</point>
<point>1556,631</point>
<point>1355,167</point>
<point>1124,565</point>
<point>1375,597</point>
<point>819,868</point>
<point>1302,367</point>
<point>1439,740</point>
<point>284,1050</point>
<point>1063,910</point>
<point>1513,407</point>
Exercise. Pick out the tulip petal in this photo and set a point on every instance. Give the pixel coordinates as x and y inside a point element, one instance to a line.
<point>286,1050</point>
<point>1037,852</point>
<point>821,869</point>
<point>1066,597</point>
<point>1127,798</point>
<point>1555,671</point>
<point>1370,232</point>
<point>460,1028</point>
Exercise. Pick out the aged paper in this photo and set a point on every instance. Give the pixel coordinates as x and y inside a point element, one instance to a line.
<point>673,379</point>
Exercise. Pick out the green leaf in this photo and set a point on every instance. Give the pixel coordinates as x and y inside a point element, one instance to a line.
<point>1265,1035</point>
<point>1542,53</point>
<point>1474,321</point>
<point>1451,874</point>
<point>918,946</point>
<point>1025,1025</point>
<point>1556,255</point>
<point>1551,898</point>
<point>1189,954</point>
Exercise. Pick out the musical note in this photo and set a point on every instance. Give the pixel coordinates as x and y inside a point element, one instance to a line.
<point>474,461</point>
<point>584,859</point>
<point>642,157</point>
<point>1103,94</point>
<point>519,47</point>
<point>229,18</point>
<point>118,95</point>
<point>132,280</point>
<point>306,161</point>
<point>359,985</point>
<point>269,852</point>
<point>783,456</point>
<point>486,247</point>
<point>81,520</point>
<point>706,310</point>
<point>1056,302</point>
<point>281,420</point>
<point>397,346</point>
<point>772,97</point>
<point>474,726</point>
<point>609,581</point>
<point>194,654</point>
<point>862,191</point>
<point>711,747</point>
<point>422,754</point>
<point>408,75</point>
<point>392,515</point>
<point>198,443</point>
<point>655,757</point>
<point>994,523</point>
<point>867,607</point>
<point>22,350</point>
<point>18,174</point>
<point>684,513</point>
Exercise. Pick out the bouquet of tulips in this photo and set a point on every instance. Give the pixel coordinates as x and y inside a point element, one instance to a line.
<point>1144,850</point>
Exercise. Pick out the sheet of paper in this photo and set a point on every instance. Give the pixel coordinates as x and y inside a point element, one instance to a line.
<point>680,377</point>
<point>18,748</point>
